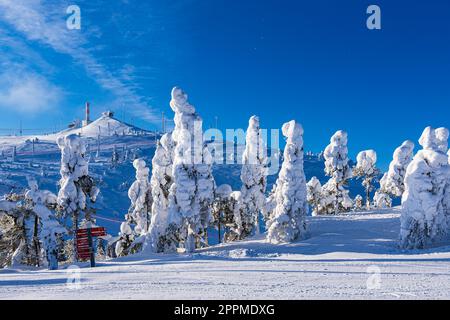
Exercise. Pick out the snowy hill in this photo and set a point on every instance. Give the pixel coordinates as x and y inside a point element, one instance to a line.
<point>105,127</point>
<point>351,256</point>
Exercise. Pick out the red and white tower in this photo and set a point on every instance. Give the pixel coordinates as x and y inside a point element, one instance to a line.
<point>87,119</point>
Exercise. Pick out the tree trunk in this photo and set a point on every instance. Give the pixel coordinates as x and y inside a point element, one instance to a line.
<point>367,199</point>
<point>257,224</point>
<point>74,228</point>
<point>206,237</point>
<point>36,241</point>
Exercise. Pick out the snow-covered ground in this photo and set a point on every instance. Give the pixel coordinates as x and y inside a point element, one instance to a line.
<point>351,256</point>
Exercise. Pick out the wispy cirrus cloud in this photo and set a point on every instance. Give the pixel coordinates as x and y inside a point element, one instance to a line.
<point>44,23</point>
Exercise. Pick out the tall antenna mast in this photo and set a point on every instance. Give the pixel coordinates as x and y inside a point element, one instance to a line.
<point>87,119</point>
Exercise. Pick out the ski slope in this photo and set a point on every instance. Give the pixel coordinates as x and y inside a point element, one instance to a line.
<point>340,260</point>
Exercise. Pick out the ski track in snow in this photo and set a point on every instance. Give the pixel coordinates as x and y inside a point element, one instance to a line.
<point>331,264</point>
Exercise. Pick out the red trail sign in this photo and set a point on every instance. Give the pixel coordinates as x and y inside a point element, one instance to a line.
<point>84,242</point>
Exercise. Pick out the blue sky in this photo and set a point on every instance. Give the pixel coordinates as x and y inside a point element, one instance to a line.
<point>312,61</point>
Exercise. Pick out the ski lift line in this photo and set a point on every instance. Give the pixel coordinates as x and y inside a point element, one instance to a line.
<point>38,129</point>
<point>106,219</point>
<point>25,153</point>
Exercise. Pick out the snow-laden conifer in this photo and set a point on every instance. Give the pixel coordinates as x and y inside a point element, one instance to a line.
<point>205,194</point>
<point>50,231</point>
<point>382,200</point>
<point>77,188</point>
<point>392,182</point>
<point>127,237</point>
<point>287,222</point>
<point>423,218</point>
<point>140,195</point>
<point>236,226</point>
<point>314,195</point>
<point>358,203</point>
<point>163,235</point>
<point>30,232</point>
<point>223,210</point>
<point>366,170</point>
<point>184,200</point>
<point>337,167</point>
<point>253,177</point>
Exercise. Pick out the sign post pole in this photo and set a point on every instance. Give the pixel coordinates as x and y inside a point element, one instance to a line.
<point>84,242</point>
<point>91,247</point>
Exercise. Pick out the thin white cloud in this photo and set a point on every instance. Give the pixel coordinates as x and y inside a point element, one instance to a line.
<point>27,92</point>
<point>43,24</point>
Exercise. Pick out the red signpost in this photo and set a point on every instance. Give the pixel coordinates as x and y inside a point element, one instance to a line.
<point>85,249</point>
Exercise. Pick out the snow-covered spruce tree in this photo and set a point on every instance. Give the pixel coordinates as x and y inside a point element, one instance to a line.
<point>236,226</point>
<point>50,231</point>
<point>392,182</point>
<point>16,230</point>
<point>163,235</point>
<point>381,199</point>
<point>358,203</point>
<point>140,195</point>
<point>423,218</point>
<point>328,198</point>
<point>223,210</point>
<point>30,233</point>
<point>205,194</point>
<point>287,223</point>
<point>314,195</point>
<point>184,199</point>
<point>253,177</point>
<point>77,188</point>
<point>366,170</point>
<point>338,169</point>
<point>124,244</point>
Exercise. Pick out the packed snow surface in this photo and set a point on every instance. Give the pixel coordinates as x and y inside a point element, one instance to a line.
<point>349,256</point>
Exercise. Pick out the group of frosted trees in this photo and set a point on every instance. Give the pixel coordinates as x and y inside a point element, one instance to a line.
<point>174,205</point>
<point>175,210</point>
<point>333,197</point>
<point>421,180</point>
<point>181,201</point>
<point>36,224</point>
